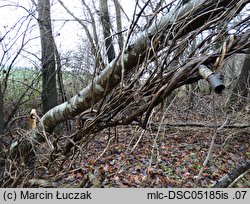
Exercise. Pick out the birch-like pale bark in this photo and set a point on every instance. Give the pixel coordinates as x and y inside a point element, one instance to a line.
<point>134,54</point>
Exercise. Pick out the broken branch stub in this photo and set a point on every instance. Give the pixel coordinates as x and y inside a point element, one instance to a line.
<point>214,79</point>
<point>195,13</point>
<point>32,119</point>
<point>133,56</point>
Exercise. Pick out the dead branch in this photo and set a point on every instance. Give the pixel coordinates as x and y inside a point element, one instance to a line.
<point>159,53</point>
<point>229,178</point>
<point>203,125</point>
<point>153,40</point>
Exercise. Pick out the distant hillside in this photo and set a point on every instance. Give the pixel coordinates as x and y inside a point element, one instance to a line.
<point>16,68</point>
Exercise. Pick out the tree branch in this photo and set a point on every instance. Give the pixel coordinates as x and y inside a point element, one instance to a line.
<point>203,125</point>
<point>229,178</point>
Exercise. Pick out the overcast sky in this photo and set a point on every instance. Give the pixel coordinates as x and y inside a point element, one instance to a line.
<point>70,31</point>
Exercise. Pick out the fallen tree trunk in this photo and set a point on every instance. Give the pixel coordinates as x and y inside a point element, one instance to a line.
<point>111,76</point>
<point>202,125</point>
<point>198,12</point>
<point>229,178</point>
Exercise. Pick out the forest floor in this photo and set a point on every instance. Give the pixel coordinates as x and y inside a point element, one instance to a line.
<point>164,155</point>
<point>174,161</point>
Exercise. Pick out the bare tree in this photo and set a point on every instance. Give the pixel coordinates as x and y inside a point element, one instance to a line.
<point>160,41</point>
<point>49,91</point>
<point>106,26</point>
<point>13,41</point>
<point>92,33</point>
<point>179,39</point>
<point>240,93</point>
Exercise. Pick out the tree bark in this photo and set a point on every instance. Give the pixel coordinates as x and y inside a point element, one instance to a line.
<point>239,97</point>
<point>133,56</point>
<point>106,25</point>
<point>119,24</point>
<point>225,181</point>
<point>49,91</point>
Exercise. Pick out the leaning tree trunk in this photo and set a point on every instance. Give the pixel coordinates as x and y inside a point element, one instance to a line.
<point>241,91</point>
<point>49,91</point>
<point>134,55</point>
